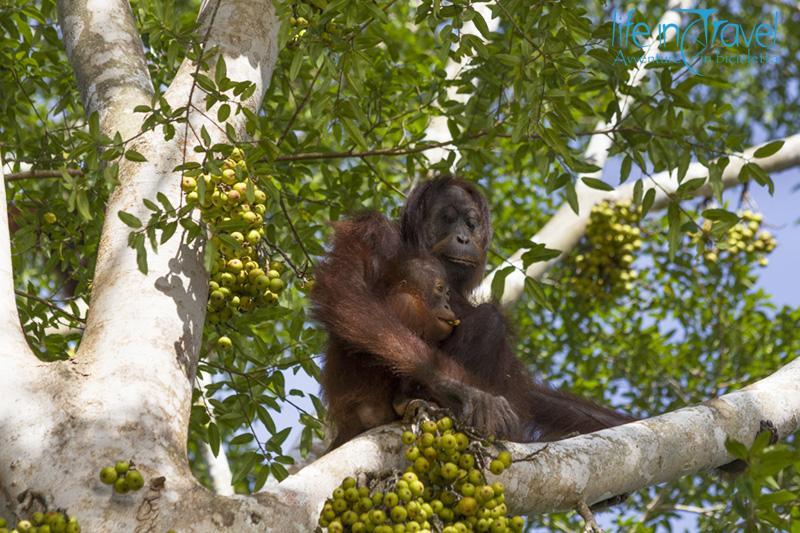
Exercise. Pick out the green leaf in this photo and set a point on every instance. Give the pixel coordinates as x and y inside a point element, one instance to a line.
<point>244,466</point>
<point>133,155</point>
<point>354,132</point>
<point>212,435</point>
<point>721,214</point>
<point>243,438</point>
<point>168,231</point>
<point>600,185</point>
<point>221,71</point>
<point>736,449</point>
<point>223,112</point>
<point>141,255</point>
<point>279,471</point>
<point>82,203</point>
<point>572,197</point>
<point>674,219</point>
<point>768,149</point>
<point>538,253</point>
<point>129,220</point>
<point>499,282</point>
<point>761,177</point>
<point>638,192</point>
<point>647,202</point>
<point>625,169</point>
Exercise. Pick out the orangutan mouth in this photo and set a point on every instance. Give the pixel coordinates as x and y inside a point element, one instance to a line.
<point>461,261</point>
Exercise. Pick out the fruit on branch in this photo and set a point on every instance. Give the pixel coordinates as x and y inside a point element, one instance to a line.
<point>744,242</point>
<point>48,522</point>
<point>123,476</point>
<point>603,268</point>
<point>233,208</point>
<point>444,488</point>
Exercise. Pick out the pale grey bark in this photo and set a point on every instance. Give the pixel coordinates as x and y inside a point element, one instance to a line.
<point>107,55</point>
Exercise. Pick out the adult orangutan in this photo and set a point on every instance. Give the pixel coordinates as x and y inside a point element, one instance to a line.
<point>473,371</point>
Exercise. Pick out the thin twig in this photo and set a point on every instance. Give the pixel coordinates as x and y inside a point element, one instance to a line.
<point>29,174</point>
<point>299,107</point>
<point>49,304</point>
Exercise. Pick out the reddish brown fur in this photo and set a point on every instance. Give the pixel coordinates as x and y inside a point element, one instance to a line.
<point>361,389</point>
<point>372,354</point>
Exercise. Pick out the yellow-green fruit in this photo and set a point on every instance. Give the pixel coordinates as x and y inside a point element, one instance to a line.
<point>135,479</point>
<point>121,486</point>
<point>449,471</point>
<point>496,467</point>
<point>390,499</point>
<point>505,458</point>
<point>276,285</point>
<point>224,343</point>
<point>228,176</point>
<point>262,282</point>
<point>484,493</point>
<point>466,461</point>
<point>122,467</point>
<point>339,505</point>
<point>253,236</point>
<point>24,525</point>
<point>37,518</point>
<point>428,426</point>
<point>235,265</point>
<point>421,465</point>
<point>50,218</point>
<point>408,437</point>
<point>448,442</point>
<point>108,475</point>
<point>188,184</point>
<point>377,516</point>
<point>399,514</point>
<point>260,196</point>
<point>351,495</point>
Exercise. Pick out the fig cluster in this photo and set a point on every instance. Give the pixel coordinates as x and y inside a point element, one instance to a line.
<point>444,489</point>
<point>745,241</point>
<point>123,477</point>
<point>233,209</point>
<point>49,522</point>
<point>603,268</point>
<point>300,25</point>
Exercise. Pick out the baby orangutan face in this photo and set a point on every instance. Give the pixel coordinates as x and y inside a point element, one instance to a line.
<point>419,295</point>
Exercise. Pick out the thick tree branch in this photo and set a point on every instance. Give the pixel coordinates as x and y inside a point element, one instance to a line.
<point>169,307</point>
<point>12,339</point>
<point>107,55</point>
<point>564,230</point>
<point>133,373</point>
<point>555,476</point>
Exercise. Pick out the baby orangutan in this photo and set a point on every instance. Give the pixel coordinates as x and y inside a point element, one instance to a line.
<point>360,390</point>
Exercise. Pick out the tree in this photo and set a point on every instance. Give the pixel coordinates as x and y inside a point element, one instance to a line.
<point>114,112</point>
